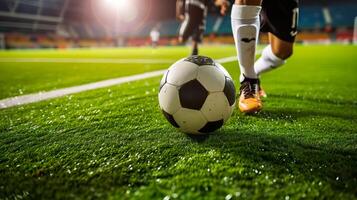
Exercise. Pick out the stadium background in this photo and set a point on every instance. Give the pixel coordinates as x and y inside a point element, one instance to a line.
<point>97,23</point>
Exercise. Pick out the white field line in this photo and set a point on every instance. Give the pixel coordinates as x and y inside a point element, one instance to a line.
<point>227,59</point>
<point>41,96</point>
<point>85,60</point>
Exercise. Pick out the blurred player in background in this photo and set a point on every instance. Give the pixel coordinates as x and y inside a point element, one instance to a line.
<point>155,36</point>
<point>279,19</point>
<point>192,14</point>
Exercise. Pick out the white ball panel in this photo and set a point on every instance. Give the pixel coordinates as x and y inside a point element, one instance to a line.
<point>211,77</point>
<point>216,107</point>
<point>225,72</point>
<point>182,72</point>
<point>169,99</point>
<point>190,121</point>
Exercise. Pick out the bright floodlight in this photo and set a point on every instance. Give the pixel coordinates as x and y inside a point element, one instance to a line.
<point>116,3</point>
<point>126,9</point>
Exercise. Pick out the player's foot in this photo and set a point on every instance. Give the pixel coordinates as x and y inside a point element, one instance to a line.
<point>249,99</point>
<point>262,93</point>
<point>194,52</point>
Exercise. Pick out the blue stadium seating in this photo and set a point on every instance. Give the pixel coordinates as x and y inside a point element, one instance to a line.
<point>210,22</point>
<point>343,15</point>
<point>311,17</point>
<point>170,28</point>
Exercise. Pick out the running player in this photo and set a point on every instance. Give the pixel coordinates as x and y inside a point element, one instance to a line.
<point>279,19</point>
<point>192,14</point>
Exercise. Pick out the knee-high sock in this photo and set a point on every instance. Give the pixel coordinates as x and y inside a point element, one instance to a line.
<point>245,28</point>
<point>267,61</point>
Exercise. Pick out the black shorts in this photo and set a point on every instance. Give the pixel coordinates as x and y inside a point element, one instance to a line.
<point>280,17</point>
<point>194,23</point>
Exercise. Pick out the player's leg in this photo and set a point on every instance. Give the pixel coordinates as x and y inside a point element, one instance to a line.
<point>274,55</point>
<point>245,28</point>
<point>197,35</point>
<point>192,26</point>
<point>185,29</point>
<point>199,24</point>
<point>279,19</point>
<point>194,48</point>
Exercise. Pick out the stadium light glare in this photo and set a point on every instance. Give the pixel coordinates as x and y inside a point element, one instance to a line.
<point>116,3</point>
<point>127,11</point>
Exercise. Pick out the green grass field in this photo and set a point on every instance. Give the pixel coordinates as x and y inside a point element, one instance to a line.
<point>114,143</point>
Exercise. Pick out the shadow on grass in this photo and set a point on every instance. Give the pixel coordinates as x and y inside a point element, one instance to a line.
<point>309,161</point>
<point>198,138</point>
<point>332,101</point>
<point>309,158</point>
<point>332,160</point>
<point>291,114</point>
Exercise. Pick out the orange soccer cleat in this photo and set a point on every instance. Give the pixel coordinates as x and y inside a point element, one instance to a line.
<point>249,99</point>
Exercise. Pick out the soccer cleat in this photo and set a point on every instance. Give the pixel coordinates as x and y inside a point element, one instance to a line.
<point>249,98</point>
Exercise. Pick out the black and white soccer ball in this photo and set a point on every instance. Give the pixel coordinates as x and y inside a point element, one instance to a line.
<point>197,95</point>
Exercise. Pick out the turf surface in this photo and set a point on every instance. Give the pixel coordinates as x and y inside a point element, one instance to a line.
<point>23,78</point>
<point>114,143</point>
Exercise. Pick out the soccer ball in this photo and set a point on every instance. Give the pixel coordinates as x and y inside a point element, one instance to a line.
<point>197,95</point>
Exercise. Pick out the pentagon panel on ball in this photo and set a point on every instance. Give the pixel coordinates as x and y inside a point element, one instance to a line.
<point>197,95</point>
<point>192,95</point>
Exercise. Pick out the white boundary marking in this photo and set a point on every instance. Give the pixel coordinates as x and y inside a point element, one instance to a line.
<point>41,96</point>
<point>85,60</point>
<point>36,97</point>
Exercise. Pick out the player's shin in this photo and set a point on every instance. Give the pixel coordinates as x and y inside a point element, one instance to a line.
<point>245,28</point>
<point>267,61</point>
<point>194,48</point>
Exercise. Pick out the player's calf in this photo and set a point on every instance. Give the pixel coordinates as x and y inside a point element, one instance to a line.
<point>268,61</point>
<point>283,53</point>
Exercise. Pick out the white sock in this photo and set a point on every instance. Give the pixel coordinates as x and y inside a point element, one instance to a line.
<point>245,28</point>
<point>267,61</point>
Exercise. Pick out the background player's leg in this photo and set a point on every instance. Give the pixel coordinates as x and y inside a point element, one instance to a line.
<point>245,28</point>
<point>273,55</point>
<point>185,29</point>
<point>194,47</point>
<point>197,37</point>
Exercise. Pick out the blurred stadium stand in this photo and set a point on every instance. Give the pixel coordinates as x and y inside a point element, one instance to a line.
<point>60,24</point>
